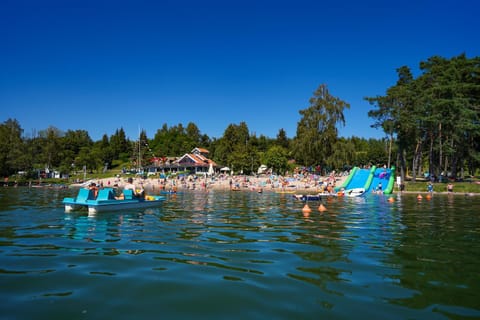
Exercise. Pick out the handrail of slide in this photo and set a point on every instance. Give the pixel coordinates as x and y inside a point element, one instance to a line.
<point>391,181</point>
<point>370,178</point>
<point>349,178</point>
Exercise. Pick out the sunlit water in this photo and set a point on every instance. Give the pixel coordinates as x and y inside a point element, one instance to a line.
<point>240,255</point>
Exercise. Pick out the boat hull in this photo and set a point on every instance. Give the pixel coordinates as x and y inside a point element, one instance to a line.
<point>94,206</point>
<point>122,205</point>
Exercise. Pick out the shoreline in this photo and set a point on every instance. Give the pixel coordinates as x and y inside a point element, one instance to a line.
<point>222,183</point>
<point>243,183</point>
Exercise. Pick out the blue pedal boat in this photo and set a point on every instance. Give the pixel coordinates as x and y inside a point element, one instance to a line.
<point>105,201</point>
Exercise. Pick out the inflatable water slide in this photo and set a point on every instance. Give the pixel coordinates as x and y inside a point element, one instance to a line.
<point>370,179</point>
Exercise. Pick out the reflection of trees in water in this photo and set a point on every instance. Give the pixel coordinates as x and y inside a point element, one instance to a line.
<point>438,255</point>
<point>348,244</point>
<point>42,198</point>
<point>321,247</point>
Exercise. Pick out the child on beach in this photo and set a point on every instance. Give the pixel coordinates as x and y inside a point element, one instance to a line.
<point>430,187</point>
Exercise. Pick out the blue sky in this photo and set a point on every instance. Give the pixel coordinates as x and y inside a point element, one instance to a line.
<point>102,65</point>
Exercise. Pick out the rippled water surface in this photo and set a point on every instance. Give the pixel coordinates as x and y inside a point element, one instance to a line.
<point>240,255</point>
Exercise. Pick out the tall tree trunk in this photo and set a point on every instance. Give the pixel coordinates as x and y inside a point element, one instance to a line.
<point>455,161</point>
<point>402,164</point>
<point>390,150</point>
<point>446,162</point>
<point>415,160</point>
<point>431,165</point>
<point>440,151</point>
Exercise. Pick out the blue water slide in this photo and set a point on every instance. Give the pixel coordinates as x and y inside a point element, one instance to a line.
<point>381,175</point>
<point>358,179</point>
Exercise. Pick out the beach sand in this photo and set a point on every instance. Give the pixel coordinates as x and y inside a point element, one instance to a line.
<point>298,184</point>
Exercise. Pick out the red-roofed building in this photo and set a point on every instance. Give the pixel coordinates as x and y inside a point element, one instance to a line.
<point>195,162</point>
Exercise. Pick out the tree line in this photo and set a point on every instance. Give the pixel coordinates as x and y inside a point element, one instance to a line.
<point>74,151</point>
<point>433,120</point>
<point>431,123</point>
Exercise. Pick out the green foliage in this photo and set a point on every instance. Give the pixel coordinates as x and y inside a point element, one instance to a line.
<point>76,150</point>
<point>343,154</point>
<point>177,140</point>
<point>71,144</point>
<point>317,129</point>
<point>377,151</point>
<point>276,158</point>
<point>229,148</point>
<point>435,116</point>
<point>282,139</point>
<point>11,148</point>
<point>119,144</point>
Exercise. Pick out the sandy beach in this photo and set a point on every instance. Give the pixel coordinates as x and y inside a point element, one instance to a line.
<point>292,184</point>
<point>297,183</point>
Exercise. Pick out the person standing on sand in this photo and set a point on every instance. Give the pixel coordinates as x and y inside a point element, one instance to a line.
<point>430,187</point>
<point>450,187</point>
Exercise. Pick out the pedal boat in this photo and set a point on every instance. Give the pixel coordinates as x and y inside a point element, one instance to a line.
<point>355,192</point>
<point>105,201</point>
<point>313,197</point>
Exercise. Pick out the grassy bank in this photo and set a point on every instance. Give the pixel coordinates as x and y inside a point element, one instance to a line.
<point>461,187</point>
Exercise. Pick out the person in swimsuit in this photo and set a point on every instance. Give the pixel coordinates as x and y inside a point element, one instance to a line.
<point>450,187</point>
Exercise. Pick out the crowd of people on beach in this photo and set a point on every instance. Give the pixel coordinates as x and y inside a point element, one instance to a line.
<point>173,183</point>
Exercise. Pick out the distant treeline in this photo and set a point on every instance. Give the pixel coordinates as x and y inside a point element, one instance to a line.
<point>73,151</point>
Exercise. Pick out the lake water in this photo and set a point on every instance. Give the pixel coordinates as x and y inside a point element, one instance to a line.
<point>240,255</point>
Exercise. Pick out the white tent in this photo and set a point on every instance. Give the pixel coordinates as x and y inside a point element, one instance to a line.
<point>262,169</point>
<point>210,170</point>
<point>225,169</point>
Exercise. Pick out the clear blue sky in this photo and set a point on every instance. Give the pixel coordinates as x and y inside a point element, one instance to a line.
<point>101,65</point>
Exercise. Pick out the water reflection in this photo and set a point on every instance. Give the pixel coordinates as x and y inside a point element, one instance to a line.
<point>440,242</point>
<point>414,259</point>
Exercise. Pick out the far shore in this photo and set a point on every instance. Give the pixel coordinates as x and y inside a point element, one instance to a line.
<point>244,183</point>
<point>224,182</point>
